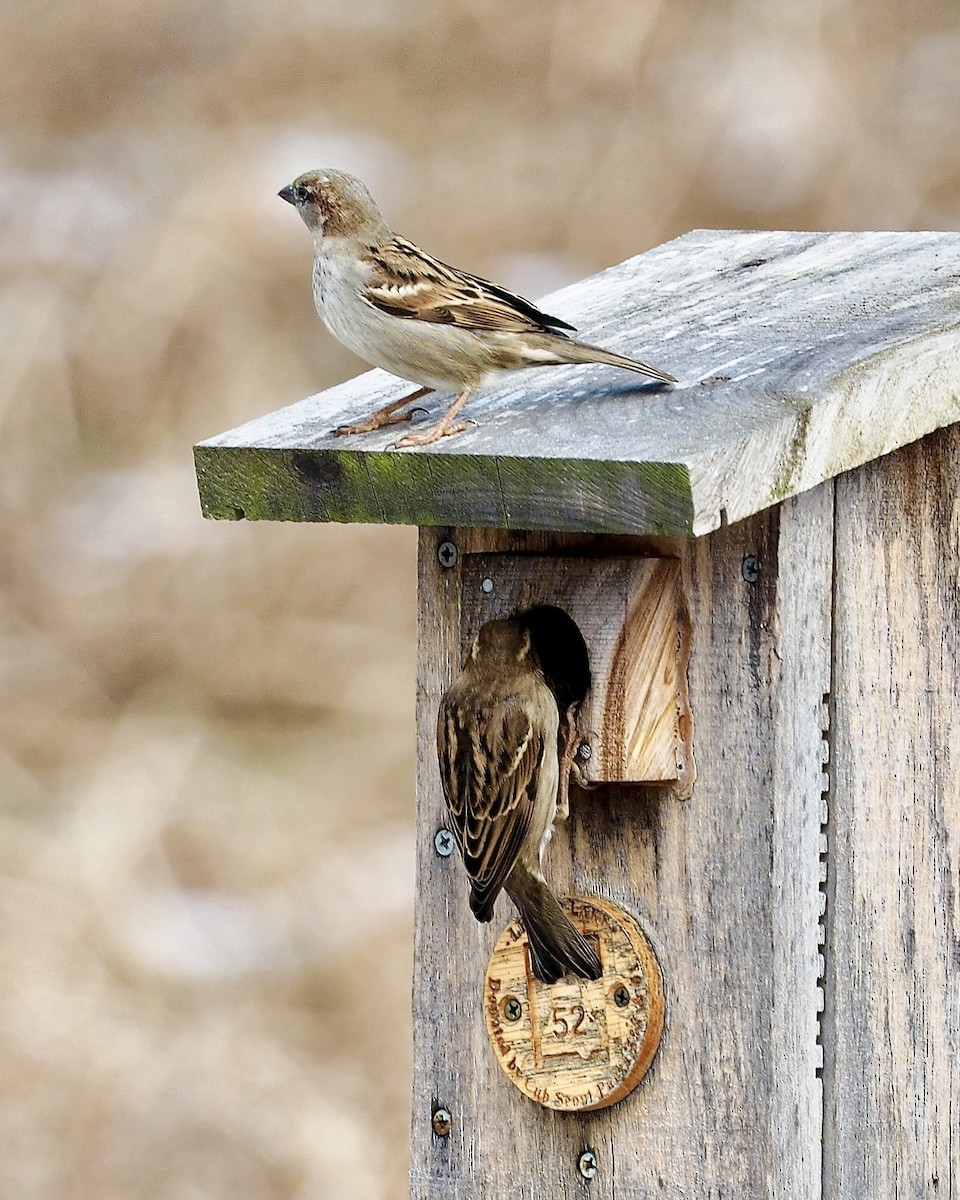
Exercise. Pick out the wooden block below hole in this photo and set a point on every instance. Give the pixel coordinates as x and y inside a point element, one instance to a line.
<point>578,1044</point>
<point>630,612</point>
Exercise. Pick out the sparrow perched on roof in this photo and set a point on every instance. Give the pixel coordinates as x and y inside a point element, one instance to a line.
<point>497,745</point>
<point>400,309</point>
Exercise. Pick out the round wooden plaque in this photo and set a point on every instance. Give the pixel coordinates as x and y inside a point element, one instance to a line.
<point>577,1044</point>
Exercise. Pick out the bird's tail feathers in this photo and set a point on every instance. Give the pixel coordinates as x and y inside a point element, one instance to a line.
<point>481,905</point>
<point>561,349</point>
<point>557,947</point>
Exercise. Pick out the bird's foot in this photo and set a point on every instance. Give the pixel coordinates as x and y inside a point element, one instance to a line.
<point>443,428</point>
<point>570,739</point>
<point>388,415</point>
<point>582,781</point>
<point>370,424</point>
<point>431,435</point>
<point>570,742</point>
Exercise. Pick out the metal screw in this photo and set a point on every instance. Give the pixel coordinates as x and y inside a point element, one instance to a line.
<point>750,569</point>
<point>442,1122</point>
<point>587,1164</point>
<point>487,586</point>
<point>443,842</point>
<point>448,554</point>
<point>584,751</point>
<point>512,1008</point>
<point>621,997</point>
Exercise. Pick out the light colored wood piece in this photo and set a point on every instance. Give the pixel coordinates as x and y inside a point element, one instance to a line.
<point>717,1114</point>
<point>629,609</point>
<point>799,733</point>
<point>799,355</point>
<point>892,1021</point>
<point>577,1045</point>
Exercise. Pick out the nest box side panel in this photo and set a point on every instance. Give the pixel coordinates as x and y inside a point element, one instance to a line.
<point>892,1021</point>
<point>731,1102</point>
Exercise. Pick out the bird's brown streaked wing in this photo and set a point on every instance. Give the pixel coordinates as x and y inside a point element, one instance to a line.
<point>411,284</point>
<point>489,767</point>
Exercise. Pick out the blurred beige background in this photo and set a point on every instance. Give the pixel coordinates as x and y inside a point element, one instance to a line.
<point>206,838</point>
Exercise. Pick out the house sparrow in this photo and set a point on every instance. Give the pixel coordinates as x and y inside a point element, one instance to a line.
<point>497,736</point>
<point>412,315</point>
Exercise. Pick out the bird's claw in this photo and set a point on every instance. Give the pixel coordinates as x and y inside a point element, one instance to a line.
<point>428,438</point>
<point>388,415</point>
<point>371,425</point>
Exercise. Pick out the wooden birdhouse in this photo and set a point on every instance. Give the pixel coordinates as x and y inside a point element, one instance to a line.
<point>759,572</point>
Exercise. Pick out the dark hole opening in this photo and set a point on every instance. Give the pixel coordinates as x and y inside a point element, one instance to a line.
<point>561,651</point>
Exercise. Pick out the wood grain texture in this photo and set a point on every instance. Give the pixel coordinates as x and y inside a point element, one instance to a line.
<point>799,355</point>
<point>716,1115</point>
<point>800,751</point>
<point>629,609</point>
<point>892,1023</point>
<point>577,1044</point>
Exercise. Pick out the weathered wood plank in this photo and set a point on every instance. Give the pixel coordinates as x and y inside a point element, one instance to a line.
<point>800,355</point>
<point>731,1104</point>
<point>800,752</point>
<point>892,1023</point>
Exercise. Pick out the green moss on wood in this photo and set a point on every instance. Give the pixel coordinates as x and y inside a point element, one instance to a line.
<point>787,481</point>
<point>431,489</point>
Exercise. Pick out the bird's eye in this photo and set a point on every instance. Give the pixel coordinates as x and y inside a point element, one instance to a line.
<point>300,194</point>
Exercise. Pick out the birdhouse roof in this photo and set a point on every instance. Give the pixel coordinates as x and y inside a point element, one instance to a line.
<point>798,355</point>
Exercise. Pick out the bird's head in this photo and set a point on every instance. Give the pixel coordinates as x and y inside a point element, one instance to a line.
<point>334,204</point>
<point>502,641</point>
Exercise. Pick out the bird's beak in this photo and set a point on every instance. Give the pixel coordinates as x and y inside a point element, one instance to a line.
<point>287,194</point>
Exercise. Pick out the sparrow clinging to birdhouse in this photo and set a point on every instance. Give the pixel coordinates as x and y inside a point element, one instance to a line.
<point>499,765</point>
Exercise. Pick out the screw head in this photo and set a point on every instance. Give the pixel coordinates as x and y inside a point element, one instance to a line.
<point>448,555</point>
<point>750,569</point>
<point>442,1122</point>
<point>487,586</point>
<point>512,1008</point>
<point>587,1164</point>
<point>621,997</point>
<point>443,842</point>
<point>584,752</point>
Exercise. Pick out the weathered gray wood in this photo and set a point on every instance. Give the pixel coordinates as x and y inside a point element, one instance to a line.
<point>731,1105</point>
<point>800,753</point>
<point>800,355</point>
<point>892,1023</point>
